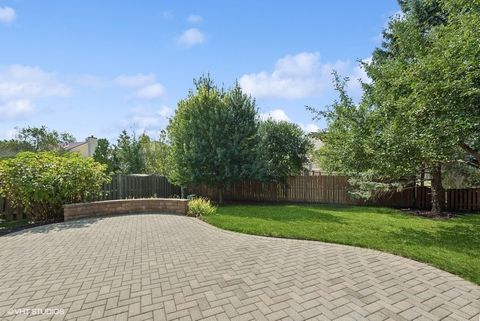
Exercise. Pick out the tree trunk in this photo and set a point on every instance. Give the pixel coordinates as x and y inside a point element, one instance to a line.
<point>182,192</point>
<point>438,192</point>
<point>422,177</point>
<point>220,195</point>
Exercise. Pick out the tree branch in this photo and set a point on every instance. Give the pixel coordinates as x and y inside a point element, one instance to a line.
<point>470,150</point>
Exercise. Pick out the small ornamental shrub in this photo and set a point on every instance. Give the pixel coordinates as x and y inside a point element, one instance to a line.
<point>199,207</point>
<point>40,183</point>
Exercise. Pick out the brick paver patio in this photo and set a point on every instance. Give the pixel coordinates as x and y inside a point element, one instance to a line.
<point>143,267</point>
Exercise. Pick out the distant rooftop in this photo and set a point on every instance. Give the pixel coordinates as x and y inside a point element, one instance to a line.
<point>69,146</point>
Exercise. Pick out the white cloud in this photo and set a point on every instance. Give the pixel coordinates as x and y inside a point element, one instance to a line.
<point>26,81</point>
<point>8,134</point>
<point>309,128</point>
<point>359,72</point>
<point>194,18</point>
<point>152,91</point>
<point>276,114</point>
<point>14,109</point>
<point>135,80</point>
<point>191,37</point>
<point>20,85</point>
<point>294,76</point>
<point>165,111</point>
<point>147,87</point>
<point>7,15</point>
<point>281,115</point>
<point>357,77</point>
<point>144,119</point>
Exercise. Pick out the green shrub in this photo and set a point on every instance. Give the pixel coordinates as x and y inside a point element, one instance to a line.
<point>199,206</point>
<point>40,183</point>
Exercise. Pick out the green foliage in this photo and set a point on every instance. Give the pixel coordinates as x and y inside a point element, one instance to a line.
<point>421,110</point>
<point>134,155</point>
<point>459,175</point>
<point>7,226</point>
<point>11,147</point>
<point>155,153</point>
<point>40,183</point>
<point>128,154</point>
<point>199,207</point>
<point>348,141</point>
<point>34,139</point>
<point>431,83</point>
<point>283,148</point>
<point>42,139</point>
<point>213,137</point>
<point>104,154</point>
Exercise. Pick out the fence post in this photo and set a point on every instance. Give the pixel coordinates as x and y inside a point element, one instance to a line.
<point>120,186</point>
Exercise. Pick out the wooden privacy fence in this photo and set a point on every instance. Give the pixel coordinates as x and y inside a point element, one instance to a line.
<point>308,189</point>
<point>8,211</point>
<point>463,199</point>
<point>334,189</point>
<point>414,197</point>
<point>138,186</point>
<point>301,189</point>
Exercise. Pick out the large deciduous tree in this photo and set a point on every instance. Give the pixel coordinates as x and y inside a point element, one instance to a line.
<point>42,139</point>
<point>35,139</point>
<point>421,110</point>
<point>213,137</point>
<point>283,148</point>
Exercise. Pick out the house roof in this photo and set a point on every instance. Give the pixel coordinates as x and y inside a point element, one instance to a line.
<point>73,145</point>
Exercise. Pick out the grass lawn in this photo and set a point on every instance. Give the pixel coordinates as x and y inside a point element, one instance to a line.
<point>12,224</point>
<point>449,244</point>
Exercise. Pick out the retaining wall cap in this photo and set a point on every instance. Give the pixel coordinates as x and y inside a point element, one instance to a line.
<point>133,200</point>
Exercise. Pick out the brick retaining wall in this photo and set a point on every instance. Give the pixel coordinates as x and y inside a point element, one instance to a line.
<point>130,206</point>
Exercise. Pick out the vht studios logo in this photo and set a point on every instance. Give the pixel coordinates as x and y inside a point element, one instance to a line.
<point>47,311</point>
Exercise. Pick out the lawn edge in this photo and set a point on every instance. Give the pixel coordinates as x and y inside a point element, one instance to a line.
<point>339,244</point>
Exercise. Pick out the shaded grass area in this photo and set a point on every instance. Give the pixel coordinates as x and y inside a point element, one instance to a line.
<point>451,244</point>
<point>11,226</point>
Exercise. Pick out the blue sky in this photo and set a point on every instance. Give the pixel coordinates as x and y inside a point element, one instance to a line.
<point>97,67</point>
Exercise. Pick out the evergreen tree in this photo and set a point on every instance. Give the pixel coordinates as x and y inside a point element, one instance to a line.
<point>104,155</point>
<point>213,137</point>
<point>128,154</point>
<point>155,153</point>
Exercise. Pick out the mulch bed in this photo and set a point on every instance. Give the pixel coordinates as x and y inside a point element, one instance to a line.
<point>429,214</point>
